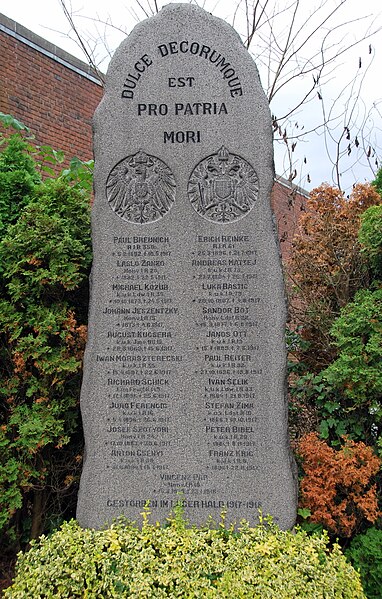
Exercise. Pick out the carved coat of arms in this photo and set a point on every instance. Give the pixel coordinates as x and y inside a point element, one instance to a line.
<point>223,187</point>
<point>141,188</point>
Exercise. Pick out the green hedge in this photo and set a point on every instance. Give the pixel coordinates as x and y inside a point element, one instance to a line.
<point>365,553</point>
<point>177,561</point>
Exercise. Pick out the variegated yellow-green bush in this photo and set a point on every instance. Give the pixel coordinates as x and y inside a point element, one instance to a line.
<point>178,561</point>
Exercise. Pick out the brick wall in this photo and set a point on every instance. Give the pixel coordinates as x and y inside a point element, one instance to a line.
<point>51,92</point>
<point>55,95</point>
<point>287,203</point>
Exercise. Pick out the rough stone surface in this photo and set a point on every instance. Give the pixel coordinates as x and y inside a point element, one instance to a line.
<point>184,380</point>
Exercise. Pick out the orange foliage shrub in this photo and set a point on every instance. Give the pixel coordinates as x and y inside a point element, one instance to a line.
<point>326,258</point>
<point>327,266</point>
<point>337,487</point>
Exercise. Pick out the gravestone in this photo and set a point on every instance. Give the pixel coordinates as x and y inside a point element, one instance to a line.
<point>183,395</point>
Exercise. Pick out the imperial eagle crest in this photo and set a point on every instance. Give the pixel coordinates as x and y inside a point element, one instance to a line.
<point>223,187</point>
<point>141,188</point>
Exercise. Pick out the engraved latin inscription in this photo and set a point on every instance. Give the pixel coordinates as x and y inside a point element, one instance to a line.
<point>141,188</point>
<point>223,187</point>
<point>183,389</point>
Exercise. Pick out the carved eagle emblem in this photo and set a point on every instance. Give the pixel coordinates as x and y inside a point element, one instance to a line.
<point>223,187</point>
<point>141,188</point>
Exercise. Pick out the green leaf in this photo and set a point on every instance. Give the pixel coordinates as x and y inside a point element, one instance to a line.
<point>10,121</point>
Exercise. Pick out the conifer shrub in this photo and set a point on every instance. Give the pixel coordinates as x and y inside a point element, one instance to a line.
<point>370,236</point>
<point>356,374</point>
<point>45,256</point>
<point>180,561</point>
<point>365,553</point>
<point>18,179</point>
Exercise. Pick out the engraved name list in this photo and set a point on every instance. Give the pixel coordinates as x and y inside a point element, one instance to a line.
<point>183,396</point>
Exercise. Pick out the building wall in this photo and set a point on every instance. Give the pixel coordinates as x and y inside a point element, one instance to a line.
<point>50,91</point>
<point>55,95</point>
<point>287,202</point>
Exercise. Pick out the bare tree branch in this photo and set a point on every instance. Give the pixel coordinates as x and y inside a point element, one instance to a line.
<point>298,48</point>
<point>80,41</point>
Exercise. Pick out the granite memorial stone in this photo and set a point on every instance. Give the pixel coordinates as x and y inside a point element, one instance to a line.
<point>184,377</point>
